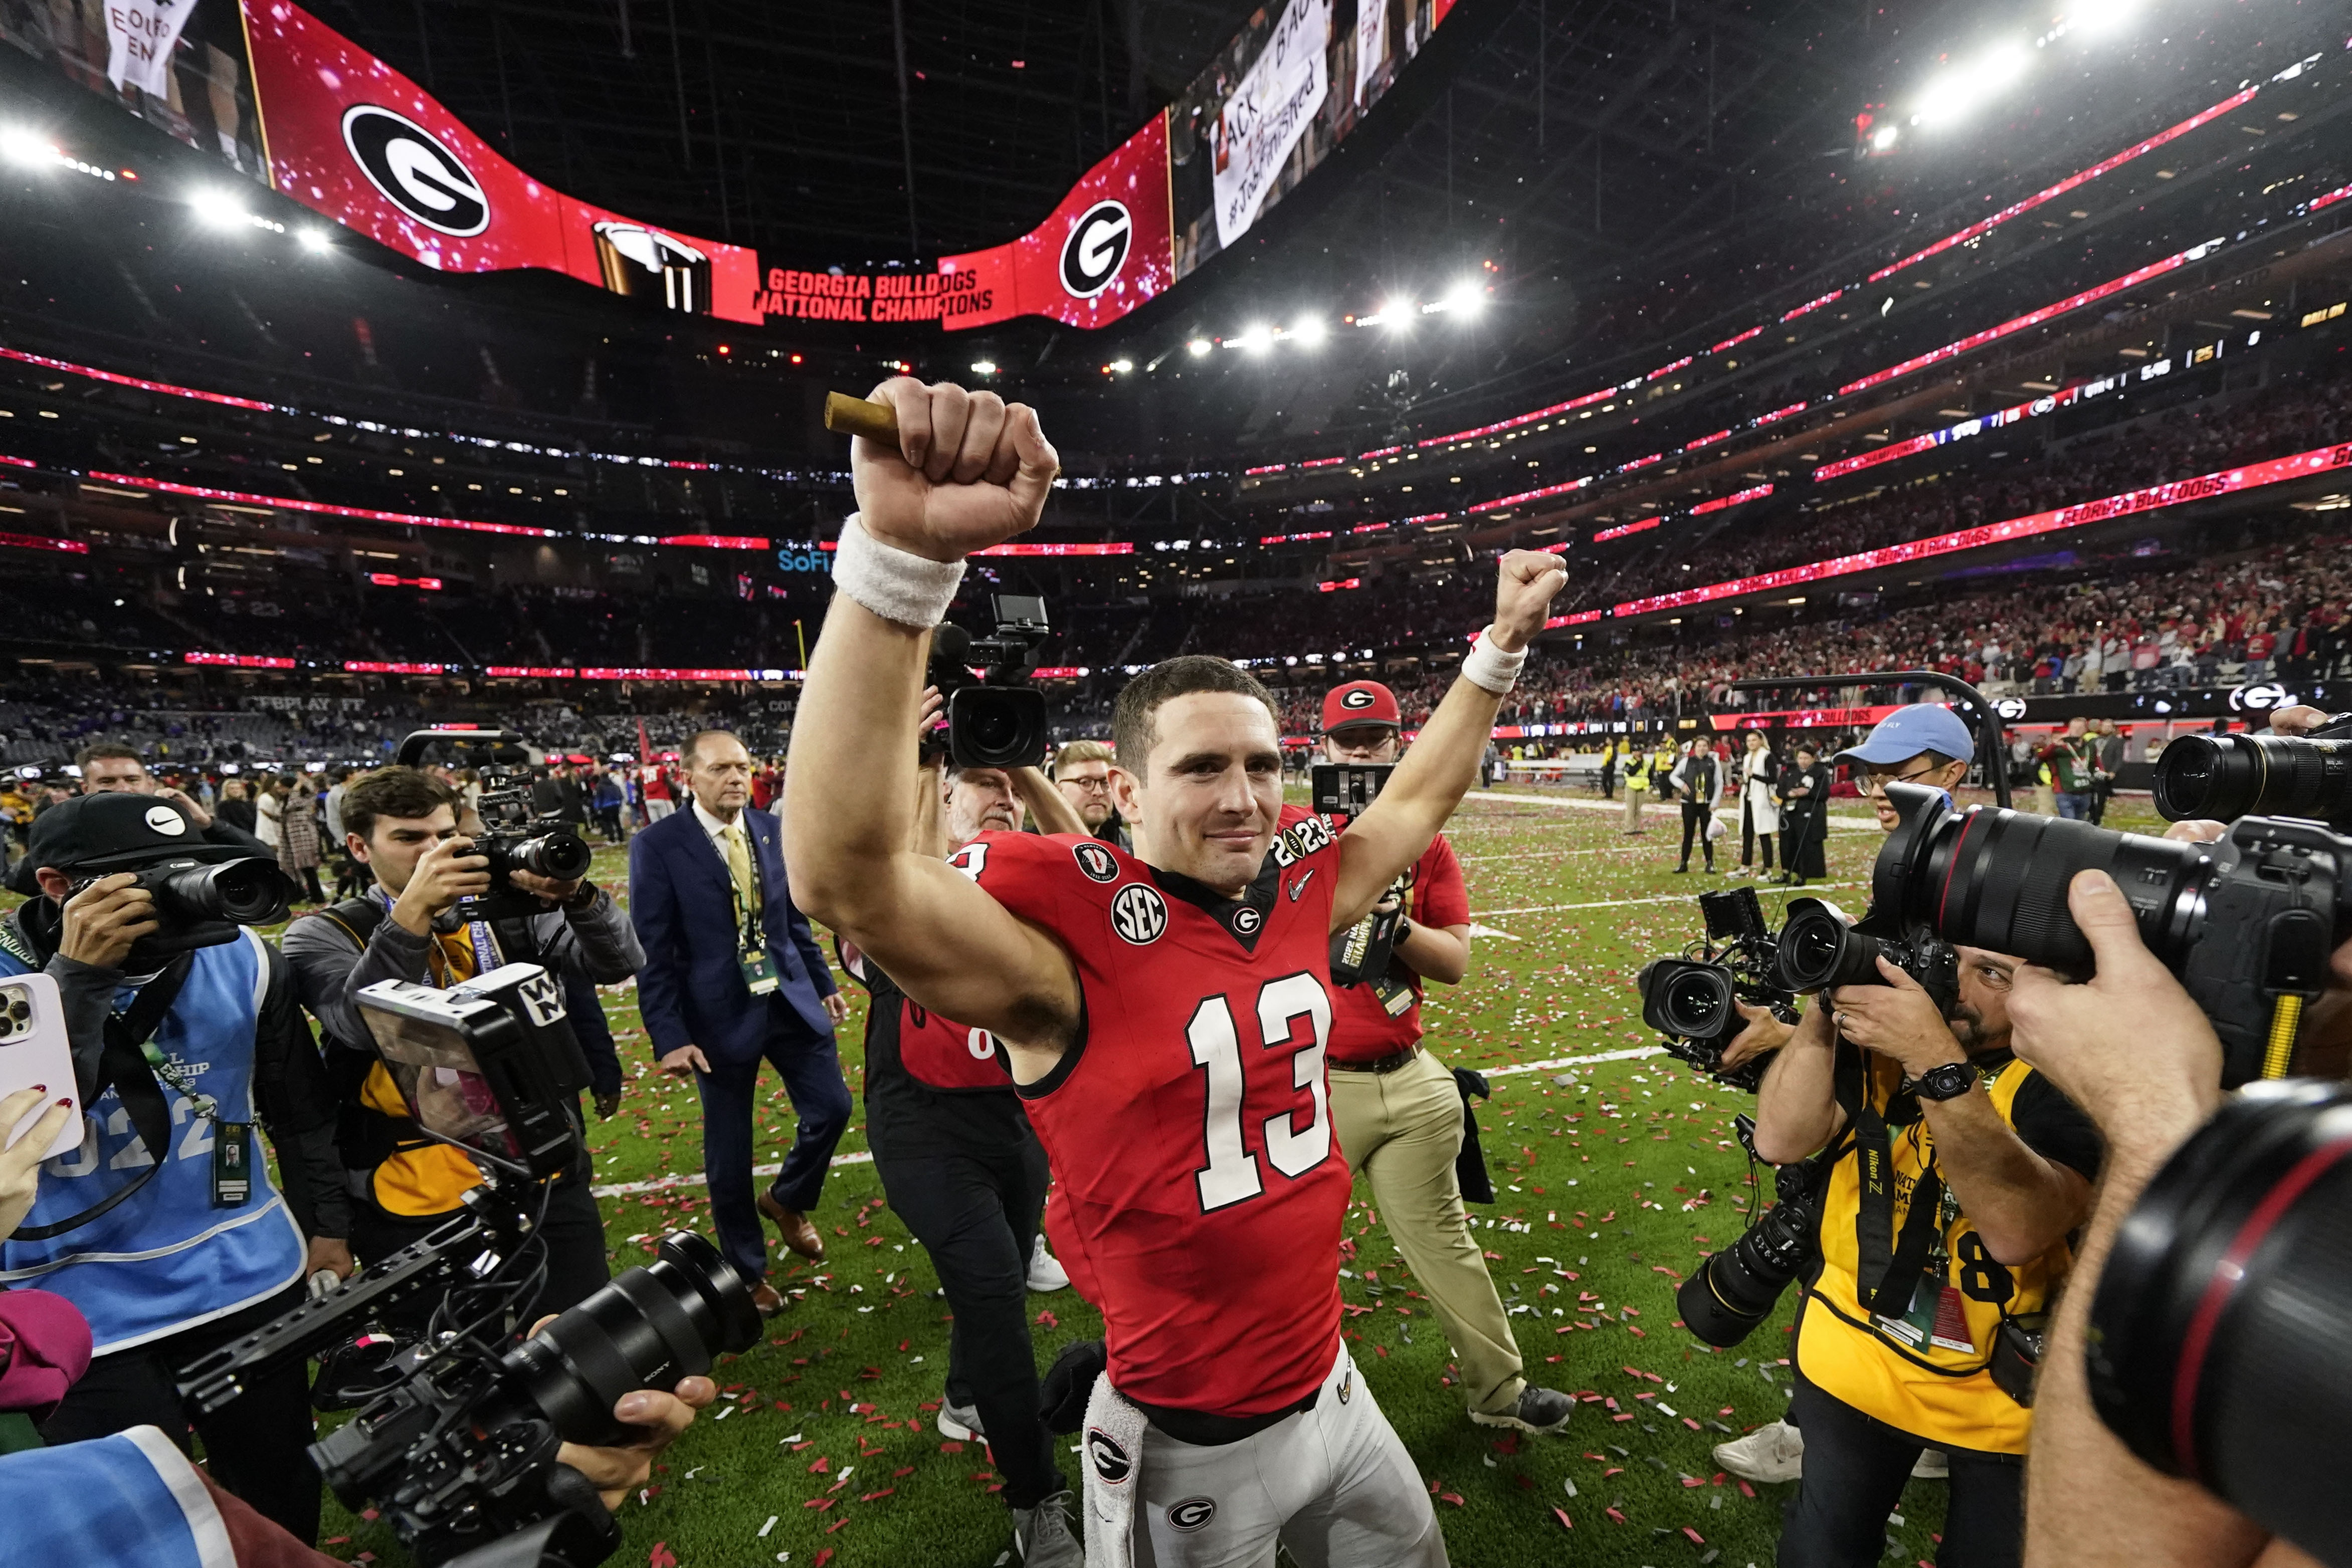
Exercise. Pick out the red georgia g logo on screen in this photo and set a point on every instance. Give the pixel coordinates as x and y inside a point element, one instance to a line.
<point>415,172</point>
<point>1096,249</point>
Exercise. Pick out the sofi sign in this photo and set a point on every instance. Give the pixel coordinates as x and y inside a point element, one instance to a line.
<point>803,558</point>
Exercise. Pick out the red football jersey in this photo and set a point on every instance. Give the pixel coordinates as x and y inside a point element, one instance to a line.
<point>936,1052</point>
<point>1189,1127</point>
<point>1382,1018</point>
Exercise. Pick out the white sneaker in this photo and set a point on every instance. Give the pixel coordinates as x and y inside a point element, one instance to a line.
<point>1932,1466</point>
<point>1045,1274</point>
<point>1044,1536</point>
<point>1775,1452</point>
<point>961,1422</point>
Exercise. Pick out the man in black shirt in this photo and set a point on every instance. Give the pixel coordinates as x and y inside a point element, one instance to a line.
<point>960,1165</point>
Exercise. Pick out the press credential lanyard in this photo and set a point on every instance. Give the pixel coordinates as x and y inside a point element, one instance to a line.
<point>751,953</point>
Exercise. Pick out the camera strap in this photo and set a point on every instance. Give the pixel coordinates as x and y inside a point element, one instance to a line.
<point>1886,1268</point>
<point>128,1064</point>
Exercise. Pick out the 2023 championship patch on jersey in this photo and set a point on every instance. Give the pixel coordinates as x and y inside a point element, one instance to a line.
<point>1189,1128</point>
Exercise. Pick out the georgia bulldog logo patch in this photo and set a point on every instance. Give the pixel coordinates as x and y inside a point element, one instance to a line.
<point>1192,1513</point>
<point>1246,919</point>
<point>1109,1461</point>
<point>1358,698</point>
<point>1138,914</point>
<point>1096,862</point>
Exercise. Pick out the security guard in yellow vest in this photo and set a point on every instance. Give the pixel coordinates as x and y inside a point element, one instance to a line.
<point>1956,1173</point>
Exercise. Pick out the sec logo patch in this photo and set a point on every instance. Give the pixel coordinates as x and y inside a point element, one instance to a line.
<point>1138,914</point>
<point>1109,1461</point>
<point>1096,862</point>
<point>1192,1513</point>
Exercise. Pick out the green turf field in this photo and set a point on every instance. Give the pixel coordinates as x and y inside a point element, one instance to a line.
<point>1614,1178</point>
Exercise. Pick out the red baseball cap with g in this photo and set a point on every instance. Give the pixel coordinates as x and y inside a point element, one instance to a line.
<point>1360,702</point>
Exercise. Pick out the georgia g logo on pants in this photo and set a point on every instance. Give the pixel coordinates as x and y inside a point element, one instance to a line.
<point>1096,249</point>
<point>415,171</point>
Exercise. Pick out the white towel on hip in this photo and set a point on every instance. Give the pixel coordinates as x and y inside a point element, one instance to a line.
<point>1113,1444</point>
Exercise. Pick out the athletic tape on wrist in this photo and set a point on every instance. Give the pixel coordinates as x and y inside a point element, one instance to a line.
<point>895,585</point>
<point>1489,669</point>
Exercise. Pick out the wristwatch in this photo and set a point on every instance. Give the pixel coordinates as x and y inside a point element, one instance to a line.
<point>1946,1081</point>
<point>1403,929</point>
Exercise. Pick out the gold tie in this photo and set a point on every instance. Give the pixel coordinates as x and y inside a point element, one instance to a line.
<point>738,866</point>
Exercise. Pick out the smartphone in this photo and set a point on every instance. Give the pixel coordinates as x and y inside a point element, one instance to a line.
<point>34,1049</point>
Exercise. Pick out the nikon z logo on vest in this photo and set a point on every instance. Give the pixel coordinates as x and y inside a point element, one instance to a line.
<point>1098,863</point>
<point>1138,914</point>
<point>1096,249</point>
<point>415,172</point>
<point>1109,1461</point>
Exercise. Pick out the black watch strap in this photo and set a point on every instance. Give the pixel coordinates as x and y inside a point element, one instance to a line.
<point>1946,1081</point>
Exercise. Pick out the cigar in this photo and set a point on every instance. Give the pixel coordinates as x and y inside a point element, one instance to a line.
<point>848,416</point>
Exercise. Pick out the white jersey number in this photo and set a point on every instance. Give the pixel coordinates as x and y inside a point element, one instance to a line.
<point>1230,1173</point>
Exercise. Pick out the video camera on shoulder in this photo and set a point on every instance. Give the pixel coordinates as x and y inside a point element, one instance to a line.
<point>513,838</point>
<point>457,1429</point>
<point>995,718</point>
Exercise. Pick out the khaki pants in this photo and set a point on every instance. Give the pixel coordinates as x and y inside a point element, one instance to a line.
<point>1633,794</point>
<point>1404,1130</point>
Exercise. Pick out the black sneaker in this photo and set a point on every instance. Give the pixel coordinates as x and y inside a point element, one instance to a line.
<point>1538,1410</point>
<point>1682,871</point>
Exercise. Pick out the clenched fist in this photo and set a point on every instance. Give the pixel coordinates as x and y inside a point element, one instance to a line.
<point>1526,581</point>
<point>969,471</point>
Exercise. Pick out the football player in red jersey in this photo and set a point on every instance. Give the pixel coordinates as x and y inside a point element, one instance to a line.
<point>1165,1013</point>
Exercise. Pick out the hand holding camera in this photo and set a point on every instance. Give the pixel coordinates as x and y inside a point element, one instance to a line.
<point>446,872</point>
<point>1896,1018</point>
<point>106,919</point>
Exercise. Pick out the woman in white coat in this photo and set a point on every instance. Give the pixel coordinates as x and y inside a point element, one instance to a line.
<point>1759,806</point>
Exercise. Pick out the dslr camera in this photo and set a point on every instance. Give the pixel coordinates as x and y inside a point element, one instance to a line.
<point>2224,777</point>
<point>995,718</point>
<point>1820,950</point>
<point>456,1431</point>
<point>200,903</point>
<point>1360,954</point>
<point>2246,924</point>
<point>1691,1000</point>
<point>513,838</point>
<point>1736,1289</point>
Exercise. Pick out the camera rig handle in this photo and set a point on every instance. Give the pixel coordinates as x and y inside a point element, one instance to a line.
<point>1983,718</point>
<point>425,1268</point>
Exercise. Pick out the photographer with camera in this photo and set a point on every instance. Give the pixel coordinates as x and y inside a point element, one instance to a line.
<point>1397,1108</point>
<point>165,1228</point>
<point>402,825</point>
<point>109,767</point>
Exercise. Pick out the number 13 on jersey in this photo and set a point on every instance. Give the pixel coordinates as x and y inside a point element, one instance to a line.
<point>1230,1173</point>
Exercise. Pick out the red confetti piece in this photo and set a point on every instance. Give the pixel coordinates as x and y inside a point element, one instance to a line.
<point>1047,1321</point>
<point>1453,1497</point>
<point>1565,1522</point>
<point>660,1556</point>
<point>822,1557</point>
<point>1696,1539</point>
<point>821,1465</point>
<point>1614,1514</point>
<point>819,1503</point>
<point>886,1491</point>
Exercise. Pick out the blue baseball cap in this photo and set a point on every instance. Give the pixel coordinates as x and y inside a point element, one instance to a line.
<point>1905,733</point>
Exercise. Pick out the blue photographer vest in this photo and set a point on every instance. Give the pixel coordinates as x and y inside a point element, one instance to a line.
<point>113,1502</point>
<point>166,1259</point>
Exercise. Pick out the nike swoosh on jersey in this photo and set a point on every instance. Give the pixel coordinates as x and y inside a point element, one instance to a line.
<point>1300,885</point>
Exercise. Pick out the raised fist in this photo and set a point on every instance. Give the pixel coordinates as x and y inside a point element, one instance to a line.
<point>969,471</point>
<point>1525,582</point>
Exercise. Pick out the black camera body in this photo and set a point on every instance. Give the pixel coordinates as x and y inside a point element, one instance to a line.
<point>1360,954</point>
<point>515,839</point>
<point>995,718</point>
<point>1819,951</point>
<point>202,904</point>
<point>2246,924</point>
<point>1736,1289</point>
<point>457,1429</point>
<point>1690,1002</point>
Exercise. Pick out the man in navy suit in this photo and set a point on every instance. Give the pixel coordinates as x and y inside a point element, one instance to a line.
<point>731,975</point>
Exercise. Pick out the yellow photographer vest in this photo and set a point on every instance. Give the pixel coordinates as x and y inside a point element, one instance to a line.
<point>1919,1361</point>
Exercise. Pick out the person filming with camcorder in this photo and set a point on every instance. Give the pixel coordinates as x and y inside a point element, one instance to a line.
<point>475,1441</point>
<point>446,905</point>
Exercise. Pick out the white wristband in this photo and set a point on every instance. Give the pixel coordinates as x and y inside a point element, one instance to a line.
<point>1489,669</point>
<point>895,585</point>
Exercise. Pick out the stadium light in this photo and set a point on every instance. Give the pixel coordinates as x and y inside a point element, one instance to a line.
<point>19,145</point>
<point>1310,330</point>
<point>1199,347</point>
<point>984,367</point>
<point>219,209</point>
<point>2102,20</point>
<point>317,241</point>
<point>1252,338</point>
<point>1960,89</point>
<point>1883,139</point>
<point>1121,366</point>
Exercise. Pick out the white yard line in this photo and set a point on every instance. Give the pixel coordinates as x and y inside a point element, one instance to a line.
<point>1624,1056</point>
<point>1806,891</point>
<point>1842,820</point>
<point>696,1179</point>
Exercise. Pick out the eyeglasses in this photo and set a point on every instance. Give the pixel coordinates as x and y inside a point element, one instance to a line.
<point>1092,786</point>
<point>1873,783</point>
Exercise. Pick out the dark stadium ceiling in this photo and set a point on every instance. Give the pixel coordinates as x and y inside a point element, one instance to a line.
<point>777,126</point>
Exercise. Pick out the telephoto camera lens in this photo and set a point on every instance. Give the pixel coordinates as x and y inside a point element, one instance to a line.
<point>2224,777</point>
<point>1819,950</point>
<point>645,1329</point>
<point>248,892</point>
<point>1736,1289</point>
<point>2216,1342</point>
<point>560,855</point>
